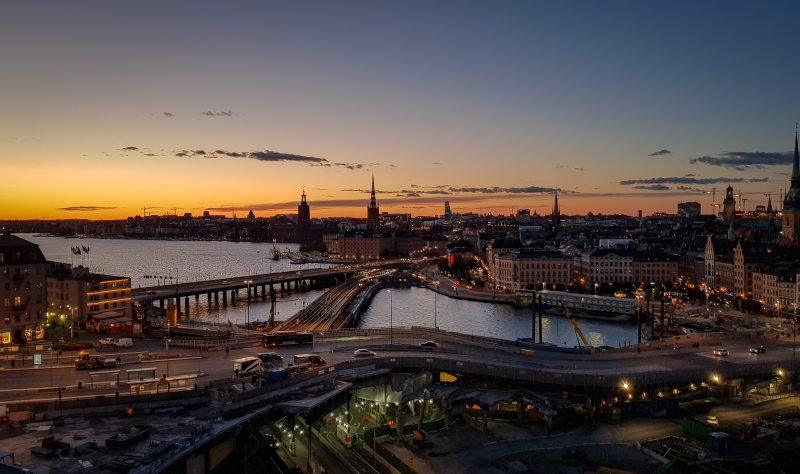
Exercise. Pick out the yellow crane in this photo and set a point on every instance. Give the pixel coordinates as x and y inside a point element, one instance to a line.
<point>578,333</point>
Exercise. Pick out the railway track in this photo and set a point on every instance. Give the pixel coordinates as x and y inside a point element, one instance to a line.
<point>327,312</point>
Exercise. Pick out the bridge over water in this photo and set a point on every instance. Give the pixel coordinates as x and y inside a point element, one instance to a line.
<point>260,285</point>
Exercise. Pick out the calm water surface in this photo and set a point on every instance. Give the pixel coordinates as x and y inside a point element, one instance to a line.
<point>144,261</point>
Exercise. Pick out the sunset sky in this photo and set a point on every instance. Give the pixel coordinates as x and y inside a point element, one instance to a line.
<point>621,105</point>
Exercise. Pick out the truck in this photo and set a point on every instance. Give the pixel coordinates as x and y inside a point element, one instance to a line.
<point>247,366</point>
<point>84,360</point>
<point>313,359</point>
<point>123,342</point>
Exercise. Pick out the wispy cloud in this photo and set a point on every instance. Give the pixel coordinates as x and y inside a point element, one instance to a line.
<point>743,160</point>
<point>691,180</point>
<point>661,152</point>
<point>169,114</point>
<point>259,155</point>
<point>449,190</point>
<point>221,113</point>
<point>570,167</point>
<point>86,208</point>
<point>501,190</point>
<point>653,187</point>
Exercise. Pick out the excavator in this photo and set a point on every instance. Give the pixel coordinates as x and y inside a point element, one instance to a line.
<point>578,333</point>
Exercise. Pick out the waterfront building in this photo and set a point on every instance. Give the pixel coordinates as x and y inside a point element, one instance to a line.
<point>373,245</point>
<point>791,202</point>
<point>525,269</point>
<point>22,291</point>
<point>654,266</point>
<point>303,219</point>
<point>88,300</point>
<point>607,266</point>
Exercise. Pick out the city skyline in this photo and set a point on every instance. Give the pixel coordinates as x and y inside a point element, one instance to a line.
<point>619,107</point>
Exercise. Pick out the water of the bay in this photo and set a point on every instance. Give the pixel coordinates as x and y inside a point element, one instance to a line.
<point>186,261</point>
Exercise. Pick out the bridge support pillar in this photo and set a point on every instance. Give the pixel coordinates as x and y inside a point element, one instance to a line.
<point>197,296</point>
<point>484,418</point>
<point>178,306</point>
<point>233,297</point>
<point>161,304</point>
<point>263,292</point>
<point>216,298</point>
<point>186,307</point>
<point>283,290</point>
<point>224,298</point>
<point>401,421</point>
<point>208,297</point>
<point>520,410</point>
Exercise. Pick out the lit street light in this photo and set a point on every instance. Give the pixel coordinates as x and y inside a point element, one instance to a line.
<point>436,285</point>
<point>391,319</point>
<point>248,282</point>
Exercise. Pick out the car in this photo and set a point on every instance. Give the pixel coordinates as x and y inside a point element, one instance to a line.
<point>758,350</point>
<point>363,353</point>
<point>712,420</point>
<point>721,352</point>
<point>429,345</point>
<point>106,341</point>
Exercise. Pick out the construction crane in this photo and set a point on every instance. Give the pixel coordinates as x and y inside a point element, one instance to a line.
<point>578,333</point>
<point>145,209</point>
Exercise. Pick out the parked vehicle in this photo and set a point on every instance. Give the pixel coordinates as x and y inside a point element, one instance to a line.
<point>123,342</point>
<point>313,359</point>
<point>758,350</point>
<point>363,353</point>
<point>712,420</point>
<point>720,352</point>
<point>247,366</point>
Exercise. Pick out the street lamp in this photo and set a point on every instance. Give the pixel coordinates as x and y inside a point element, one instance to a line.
<point>72,319</point>
<point>794,348</point>
<point>391,318</point>
<point>436,285</point>
<point>248,282</point>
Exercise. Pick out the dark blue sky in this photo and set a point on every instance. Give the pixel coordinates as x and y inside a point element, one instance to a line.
<point>502,95</point>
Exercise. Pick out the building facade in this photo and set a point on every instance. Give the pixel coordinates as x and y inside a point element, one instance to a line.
<point>22,291</point>
<point>522,269</point>
<point>82,298</point>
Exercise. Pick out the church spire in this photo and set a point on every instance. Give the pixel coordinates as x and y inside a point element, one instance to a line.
<point>372,201</point>
<point>556,212</point>
<point>796,165</point>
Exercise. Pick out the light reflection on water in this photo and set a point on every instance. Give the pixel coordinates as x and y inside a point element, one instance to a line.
<point>415,307</point>
<point>189,260</point>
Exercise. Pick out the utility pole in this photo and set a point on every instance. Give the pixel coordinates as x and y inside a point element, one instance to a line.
<point>533,318</point>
